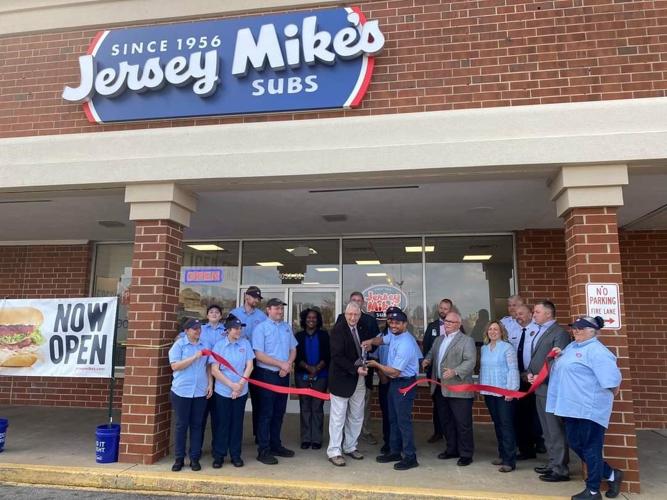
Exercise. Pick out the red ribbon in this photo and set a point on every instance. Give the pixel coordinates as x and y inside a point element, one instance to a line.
<point>281,389</point>
<point>539,379</point>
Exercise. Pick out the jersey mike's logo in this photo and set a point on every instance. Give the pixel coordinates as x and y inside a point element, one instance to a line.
<point>287,62</point>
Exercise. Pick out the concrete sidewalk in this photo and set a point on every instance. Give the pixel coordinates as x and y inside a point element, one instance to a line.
<point>57,446</point>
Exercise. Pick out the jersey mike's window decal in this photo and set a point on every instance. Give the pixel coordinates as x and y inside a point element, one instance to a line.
<point>379,298</point>
<point>286,62</point>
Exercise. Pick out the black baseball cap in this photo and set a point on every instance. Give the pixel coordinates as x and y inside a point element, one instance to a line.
<point>275,302</point>
<point>396,314</point>
<point>192,323</point>
<point>254,291</point>
<point>233,322</point>
<point>587,322</point>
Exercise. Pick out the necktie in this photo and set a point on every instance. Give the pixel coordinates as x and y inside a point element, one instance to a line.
<point>357,342</point>
<point>519,350</point>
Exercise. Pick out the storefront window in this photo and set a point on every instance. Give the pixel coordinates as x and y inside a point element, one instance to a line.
<point>388,271</point>
<point>113,274</point>
<point>475,272</point>
<point>209,275</point>
<point>291,262</point>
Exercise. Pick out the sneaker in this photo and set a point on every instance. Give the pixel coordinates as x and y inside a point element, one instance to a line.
<point>282,452</point>
<point>587,495</point>
<point>178,465</point>
<point>338,461</point>
<point>391,457</point>
<point>195,465</point>
<point>406,464</point>
<point>266,458</point>
<point>355,454</point>
<point>217,463</point>
<point>237,462</point>
<point>615,485</point>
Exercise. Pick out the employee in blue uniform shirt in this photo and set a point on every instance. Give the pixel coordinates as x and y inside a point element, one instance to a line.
<point>231,392</point>
<point>211,333</point>
<point>275,350</point>
<point>249,314</point>
<point>402,368</point>
<point>190,388</point>
<point>583,382</point>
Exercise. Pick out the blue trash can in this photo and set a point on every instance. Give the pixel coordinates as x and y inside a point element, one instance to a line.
<point>4,423</point>
<point>107,439</point>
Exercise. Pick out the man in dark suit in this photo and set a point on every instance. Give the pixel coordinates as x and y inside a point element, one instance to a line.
<point>549,335</point>
<point>369,323</point>
<point>453,357</point>
<point>432,332</point>
<point>347,386</point>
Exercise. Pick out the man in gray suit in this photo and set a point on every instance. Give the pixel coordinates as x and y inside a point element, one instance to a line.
<point>549,335</point>
<point>453,357</point>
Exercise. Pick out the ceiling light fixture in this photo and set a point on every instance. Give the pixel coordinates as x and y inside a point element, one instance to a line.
<point>429,248</point>
<point>477,257</point>
<point>327,269</point>
<point>376,275</point>
<point>206,247</point>
<point>269,264</point>
<point>368,262</point>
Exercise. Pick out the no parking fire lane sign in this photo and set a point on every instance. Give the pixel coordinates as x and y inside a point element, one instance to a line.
<point>602,299</point>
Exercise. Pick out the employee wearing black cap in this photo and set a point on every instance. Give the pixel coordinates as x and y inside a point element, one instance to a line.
<point>231,392</point>
<point>251,317</point>
<point>190,388</point>
<point>402,368</point>
<point>275,350</point>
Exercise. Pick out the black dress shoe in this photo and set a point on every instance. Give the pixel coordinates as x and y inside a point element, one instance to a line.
<point>237,462</point>
<point>526,456</point>
<point>282,452</point>
<point>615,485</point>
<point>463,461</point>
<point>178,465</point>
<point>195,465</point>
<point>434,438</point>
<point>266,458</point>
<point>305,446</point>
<point>446,456</point>
<point>217,463</point>
<point>543,469</point>
<point>587,495</point>
<point>390,457</point>
<point>316,446</point>
<point>554,478</point>
<point>406,464</point>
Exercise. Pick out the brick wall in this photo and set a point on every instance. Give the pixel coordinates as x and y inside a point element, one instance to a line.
<point>438,55</point>
<point>50,271</point>
<point>644,265</point>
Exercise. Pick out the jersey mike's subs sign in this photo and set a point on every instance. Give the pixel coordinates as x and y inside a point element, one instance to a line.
<point>284,62</point>
<point>57,337</point>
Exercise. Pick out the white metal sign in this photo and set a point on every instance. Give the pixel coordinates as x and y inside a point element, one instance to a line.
<point>602,299</point>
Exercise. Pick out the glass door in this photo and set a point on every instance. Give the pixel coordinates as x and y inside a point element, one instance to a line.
<point>326,300</point>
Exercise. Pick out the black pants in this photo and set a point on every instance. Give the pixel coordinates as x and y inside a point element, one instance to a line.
<point>311,409</point>
<point>527,426</point>
<point>456,420</point>
<point>383,396</point>
<point>229,426</point>
<point>272,408</point>
<point>437,428</point>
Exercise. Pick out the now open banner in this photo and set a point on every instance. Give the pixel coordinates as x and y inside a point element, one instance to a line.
<point>57,337</point>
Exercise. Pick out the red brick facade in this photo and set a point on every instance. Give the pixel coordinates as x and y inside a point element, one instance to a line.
<point>438,55</point>
<point>156,265</point>
<point>50,271</point>
<point>644,267</point>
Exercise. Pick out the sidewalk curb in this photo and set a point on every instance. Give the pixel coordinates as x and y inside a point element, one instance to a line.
<point>242,487</point>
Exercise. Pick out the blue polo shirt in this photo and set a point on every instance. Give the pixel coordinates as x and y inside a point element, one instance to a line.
<point>191,382</point>
<point>238,354</point>
<point>580,382</point>
<point>274,339</point>
<point>404,353</point>
<point>251,320</point>
<point>210,335</point>
<point>382,352</point>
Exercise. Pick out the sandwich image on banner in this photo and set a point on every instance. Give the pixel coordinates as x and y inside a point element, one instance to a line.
<point>20,336</point>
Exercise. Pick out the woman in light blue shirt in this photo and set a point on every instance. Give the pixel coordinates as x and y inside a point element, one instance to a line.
<point>190,388</point>
<point>582,385</point>
<point>499,368</point>
<point>231,392</point>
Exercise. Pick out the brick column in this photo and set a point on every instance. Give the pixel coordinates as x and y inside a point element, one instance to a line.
<point>593,256</point>
<point>160,212</point>
<point>146,411</point>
